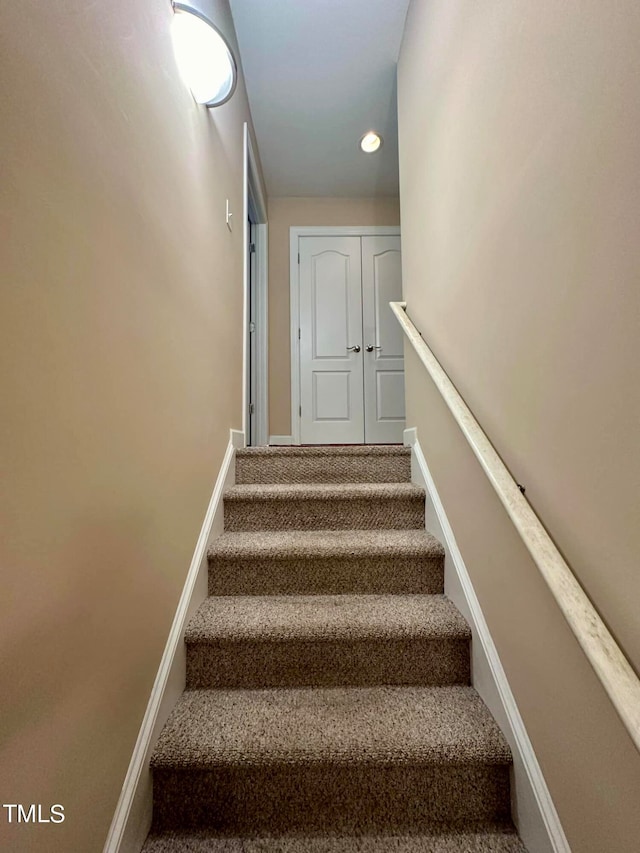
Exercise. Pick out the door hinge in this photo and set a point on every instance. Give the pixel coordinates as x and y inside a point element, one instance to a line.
<point>252,408</point>
<point>252,247</point>
<point>252,327</point>
<point>298,257</point>
<point>300,411</point>
<point>298,334</point>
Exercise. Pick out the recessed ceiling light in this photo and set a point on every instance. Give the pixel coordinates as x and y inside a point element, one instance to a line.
<point>204,59</point>
<point>370,142</point>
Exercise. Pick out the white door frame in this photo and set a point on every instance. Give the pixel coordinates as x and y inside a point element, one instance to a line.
<point>295,232</point>
<point>252,188</point>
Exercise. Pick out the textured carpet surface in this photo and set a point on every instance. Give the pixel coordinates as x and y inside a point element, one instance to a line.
<point>326,561</point>
<point>356,662</point>
<point>324,506</point>
<point>340,492</point>
<point>384,725</point>
<point>278,799</point>
<point>288,641</point>
<point>489,839</point>
<point>328,707</point>
<point>381,464</point>
<point>326,616</point>
<point>366,452</point>
<point>313,544</point>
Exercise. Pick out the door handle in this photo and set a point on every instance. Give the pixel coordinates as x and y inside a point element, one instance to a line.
<point>371,347</point>
<point>356,348</point>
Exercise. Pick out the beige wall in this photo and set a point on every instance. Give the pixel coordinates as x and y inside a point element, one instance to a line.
<point>121,301</point>
<point>520,189</point>
<point>283,214</point>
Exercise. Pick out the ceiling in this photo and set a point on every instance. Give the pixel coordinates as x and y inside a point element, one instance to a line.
<point>319,74</point>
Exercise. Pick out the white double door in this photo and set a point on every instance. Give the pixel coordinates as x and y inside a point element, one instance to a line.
<point>351,346</point>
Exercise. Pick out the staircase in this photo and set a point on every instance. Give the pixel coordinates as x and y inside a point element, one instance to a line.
<point>328,706</point>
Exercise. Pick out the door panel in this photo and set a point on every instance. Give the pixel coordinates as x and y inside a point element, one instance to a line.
<point>330,283</point>
<point>331,395</point>
<point>389,395</point>
<point>331,321</point>
<point>384,365</point>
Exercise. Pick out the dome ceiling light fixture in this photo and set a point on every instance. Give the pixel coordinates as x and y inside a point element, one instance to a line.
<point>204,59</point>
<point>371,142</point>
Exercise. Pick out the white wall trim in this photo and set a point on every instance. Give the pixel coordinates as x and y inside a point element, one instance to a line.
<point>245,275</point>
<point>132,819</point>
<point>280,440</point>
<point>295,232</point>
<point>252,190</point>
<point>533,810</point>
<point>345,230</point>
<point>237,439</point>
<point>262,331</point>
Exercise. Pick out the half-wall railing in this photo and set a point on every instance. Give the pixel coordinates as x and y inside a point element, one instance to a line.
<point>604,654</point>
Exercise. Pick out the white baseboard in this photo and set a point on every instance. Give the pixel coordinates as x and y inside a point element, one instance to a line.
<point>532,807</point>
<point>280,440</point>
<point>237,439</point>
<point>132,819</point>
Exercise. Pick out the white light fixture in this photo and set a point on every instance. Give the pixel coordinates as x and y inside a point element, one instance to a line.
<point>204,58</point>
<point>370,142</point>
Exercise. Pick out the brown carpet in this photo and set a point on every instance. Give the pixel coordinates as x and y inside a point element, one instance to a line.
<point>288,641</point>
<point>324,506</point>
<point>359,464</point>
<point>490,839</point>
<point>313,562</point>
<point>328,706</point>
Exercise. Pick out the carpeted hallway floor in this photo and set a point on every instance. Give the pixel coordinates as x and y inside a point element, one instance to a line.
<point>328,707</point>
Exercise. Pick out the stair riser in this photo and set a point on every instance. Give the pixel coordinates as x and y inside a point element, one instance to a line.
<point>335,576</point>
<point>492,838</point>
<point>331,798</point>
<point>357,663</point>
<point>318,514</point>
<point>358,469</point>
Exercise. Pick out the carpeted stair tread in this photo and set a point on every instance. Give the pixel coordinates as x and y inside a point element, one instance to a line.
<point>262,492</point>
<point>322,506</point>
<point>486,839</point>
<point>313,544</point>
<point>378,726</point>
<point>328,706</point>
<point>383,463</point>
<point>326,641</point>
<point>305,562</point>
<point>365,451</point>
<point>327,617</point>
